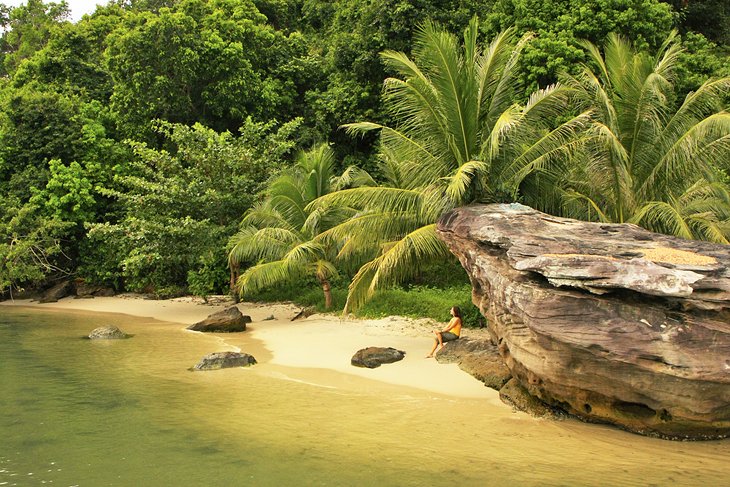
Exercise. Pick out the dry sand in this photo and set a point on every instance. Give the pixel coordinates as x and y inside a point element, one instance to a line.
<point>316,350</point>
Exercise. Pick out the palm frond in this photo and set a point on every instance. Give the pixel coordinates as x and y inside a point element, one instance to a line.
<point>662,217</point>
<point>266,275</point>
<point>373,226</point>
<point>492,142</point>
<point>252,244</point>
<point>556,144</point>
<point>573,197</point>
<point>699,104</point>
<point>508,82</point>
<point>325,270</point>
<point>706,227</point>
<point>373,198</point>
<point>399,261</point>
<point>304,252</point>
<point>263,214</point>
<point>459,182</point>
<point>680,162</point>
<point>353,177</point>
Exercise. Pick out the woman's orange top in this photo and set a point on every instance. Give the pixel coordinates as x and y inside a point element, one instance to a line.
<point>456,330</point>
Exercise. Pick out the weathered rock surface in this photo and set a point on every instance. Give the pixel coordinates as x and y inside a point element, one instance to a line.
<point>373,357</point>
<point>480,358</point>
<point>109,332</point>
<point>59,291</point>
<point>228,320</point>
<point>224,360</point>
<point>608,322</point>
<point>515,395</point>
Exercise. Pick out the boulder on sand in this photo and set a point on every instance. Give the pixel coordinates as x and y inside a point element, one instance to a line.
<point>227,321</point>
<point>86,290</point>
<point>109,332</point>
<point>224,360</point>
<point>373,357</point>
<point>59,291</point>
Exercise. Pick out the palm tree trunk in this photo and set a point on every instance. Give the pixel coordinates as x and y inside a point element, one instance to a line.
<point>234,278</point>
<point>327,293</point>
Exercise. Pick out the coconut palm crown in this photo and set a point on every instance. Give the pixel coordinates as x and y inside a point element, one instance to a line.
<point>278,233</point>
<point>457,137</point>
<point>651,163</point>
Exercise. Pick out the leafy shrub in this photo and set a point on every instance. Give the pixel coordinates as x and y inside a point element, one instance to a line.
<point>211,277</point>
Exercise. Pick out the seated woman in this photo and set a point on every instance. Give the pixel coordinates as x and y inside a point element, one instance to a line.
<point>450,333</point>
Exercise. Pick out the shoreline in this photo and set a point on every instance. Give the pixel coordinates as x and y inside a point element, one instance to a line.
<point>314,350</point>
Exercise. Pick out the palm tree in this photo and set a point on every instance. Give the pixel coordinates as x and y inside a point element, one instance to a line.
<point>279,232</point>
<point>457,137</point>
<point>651,164</point>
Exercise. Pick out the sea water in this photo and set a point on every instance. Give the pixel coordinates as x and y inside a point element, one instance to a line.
<point>93,413</point>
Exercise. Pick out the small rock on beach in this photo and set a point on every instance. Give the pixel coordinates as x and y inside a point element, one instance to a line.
<point>224,360</point>
<point>373,357</point>
<point>107,333</point>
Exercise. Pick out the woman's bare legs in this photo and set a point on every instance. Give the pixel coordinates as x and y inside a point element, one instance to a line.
<point>436,342</point>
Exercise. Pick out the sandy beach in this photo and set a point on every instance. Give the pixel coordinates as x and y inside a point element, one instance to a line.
<point>315,350</point>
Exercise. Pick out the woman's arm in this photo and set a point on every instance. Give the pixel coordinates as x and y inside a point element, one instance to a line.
<point>454,321</point>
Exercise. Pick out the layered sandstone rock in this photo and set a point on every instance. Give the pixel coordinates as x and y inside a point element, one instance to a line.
<point>479,358</point>
<point>609,322</point>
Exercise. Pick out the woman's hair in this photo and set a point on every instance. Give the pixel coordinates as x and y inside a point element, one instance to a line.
<point>457,311</point>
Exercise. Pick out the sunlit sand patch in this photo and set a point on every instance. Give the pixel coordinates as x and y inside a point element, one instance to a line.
<point>674,256</point>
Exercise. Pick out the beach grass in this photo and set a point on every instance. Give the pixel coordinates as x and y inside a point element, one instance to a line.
<point>416,301</point>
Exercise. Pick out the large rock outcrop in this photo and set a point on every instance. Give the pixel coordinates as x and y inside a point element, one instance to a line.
<point>608,322</point>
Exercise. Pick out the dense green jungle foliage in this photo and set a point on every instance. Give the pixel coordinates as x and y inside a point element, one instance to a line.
<point>135,142</point>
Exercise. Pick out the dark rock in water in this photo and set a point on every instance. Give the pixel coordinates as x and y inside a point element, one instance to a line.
<point>227,321</point>
<point>59,291</point>
<point>480,358</point>
<point>269,318</point>
<point>224,360</point>
<point>85,290</point>
<point>611,323</point>
<point>373,357</point>
<point>107,333</point>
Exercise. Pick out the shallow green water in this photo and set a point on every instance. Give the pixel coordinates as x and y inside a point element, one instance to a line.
<point>128,413</point>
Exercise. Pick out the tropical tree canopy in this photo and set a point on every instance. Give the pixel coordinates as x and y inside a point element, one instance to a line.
<point>650,163</point>
<point>457,137</point>
<point>279,233</point>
